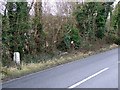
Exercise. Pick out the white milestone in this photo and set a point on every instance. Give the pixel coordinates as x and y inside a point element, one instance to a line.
<point>16,57</point>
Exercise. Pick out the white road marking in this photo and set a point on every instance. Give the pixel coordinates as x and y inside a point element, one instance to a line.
<point>86,79</point>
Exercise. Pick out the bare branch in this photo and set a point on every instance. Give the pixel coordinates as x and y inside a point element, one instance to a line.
<point>31,5</point>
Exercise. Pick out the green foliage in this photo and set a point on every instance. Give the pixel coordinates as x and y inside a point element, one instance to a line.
<point>91,18</point>
<point>28,38</point>
<point>75,37</point>
<point>115,18</point>
<point>18,34</point>
<point>100,33</point>
<point>15,27</point>
<point>117,41</point>
<point>85,18</point>
<point>114,32</point>
<point>72,35</point>
<point>67,40</point>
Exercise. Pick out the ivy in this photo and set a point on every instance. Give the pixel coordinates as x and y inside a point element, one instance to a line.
<point>72,35</point>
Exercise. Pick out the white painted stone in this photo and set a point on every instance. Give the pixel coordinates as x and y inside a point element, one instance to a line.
<point>16,57</point>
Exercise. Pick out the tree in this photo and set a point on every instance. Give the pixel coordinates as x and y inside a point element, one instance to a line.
<point>114,32</point>
<point>91,18</point>
<point>15,27</point>
<point>39,35</point>
<point>85,16</point>
<point>102,14</point>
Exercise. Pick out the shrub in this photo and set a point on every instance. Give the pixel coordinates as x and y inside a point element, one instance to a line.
<point>117,41</point>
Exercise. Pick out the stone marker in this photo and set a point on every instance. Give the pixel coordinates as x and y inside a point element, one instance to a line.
<point>16,57</point>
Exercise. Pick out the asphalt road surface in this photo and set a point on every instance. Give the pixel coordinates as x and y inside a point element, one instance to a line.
<point>96,71</point>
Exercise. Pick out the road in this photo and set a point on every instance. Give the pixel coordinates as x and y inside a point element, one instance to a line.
<point>96,71</point>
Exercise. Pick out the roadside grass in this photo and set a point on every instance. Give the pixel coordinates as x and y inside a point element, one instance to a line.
<point>13,72</point>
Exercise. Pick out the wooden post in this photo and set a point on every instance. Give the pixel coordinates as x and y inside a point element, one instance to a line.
<point>72,45</point>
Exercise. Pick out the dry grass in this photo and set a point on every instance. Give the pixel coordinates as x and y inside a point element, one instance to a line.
<point>34,67</point>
